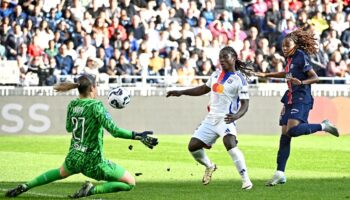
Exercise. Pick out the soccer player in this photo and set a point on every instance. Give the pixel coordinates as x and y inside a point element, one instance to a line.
<point>86,118</point>
<point>297,100</point>
<point>229,101</point>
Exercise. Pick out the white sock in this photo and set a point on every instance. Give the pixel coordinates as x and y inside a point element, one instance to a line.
<point>279,172</point>
<point>323,126</point>
<point>238,159</point>
<point>202,158</point>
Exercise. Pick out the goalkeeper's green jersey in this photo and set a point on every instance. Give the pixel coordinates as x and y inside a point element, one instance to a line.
<point>86,119</point>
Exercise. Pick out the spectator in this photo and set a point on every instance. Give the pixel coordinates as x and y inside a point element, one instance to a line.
<point>80,62</point>
<point>247,54</point>
<point>135,62</point>
<point>13,41</point>
<point>45,34</point>
<point>129,8</point>
<point>319,22</point>
<point>332,43</point>
<point>125,69</point>
<point>36,16</point>
<point>208,12</point>
<point>116,31</point>
<point>345,38</point>
<point>64,61</point>
<point>88,47</point>
<point>156,63</point>
<point>179,11</point>
<point>113,10</point>
<point>34,49</point>
<point>137,27</point>
<point>112,70</point>
<point>202,31</point>
<point>5,29</point>
<point>6,8</point>
<point>336,66</point>
<point>18,16</point>
<point>273,16</point>
<point>259,9</point>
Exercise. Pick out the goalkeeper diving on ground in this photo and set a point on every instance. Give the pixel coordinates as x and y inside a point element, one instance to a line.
<point>86,119</point>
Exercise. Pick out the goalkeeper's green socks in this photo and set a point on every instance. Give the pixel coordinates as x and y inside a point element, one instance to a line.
<point>47,177</point>
<point>109,187</point>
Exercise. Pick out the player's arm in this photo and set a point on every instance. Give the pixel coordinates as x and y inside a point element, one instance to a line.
<point>196,91</point>
<point>270,74</point>
<point>243,95</point>
<point>105,119</point>
<point>242,110</point>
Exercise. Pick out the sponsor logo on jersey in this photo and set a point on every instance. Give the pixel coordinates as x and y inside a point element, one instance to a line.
<point>218,88</point>
<point>294,110</point>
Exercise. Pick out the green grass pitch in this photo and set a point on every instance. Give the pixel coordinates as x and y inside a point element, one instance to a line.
<point>318,168</point>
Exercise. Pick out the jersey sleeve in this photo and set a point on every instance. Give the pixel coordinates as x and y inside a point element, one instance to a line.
<point>105,119</point>
<point>306,64</point>
<point>69,124</point>
<point>243,92</point>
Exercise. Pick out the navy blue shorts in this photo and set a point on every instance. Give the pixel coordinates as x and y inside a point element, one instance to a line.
<point>297,111</point>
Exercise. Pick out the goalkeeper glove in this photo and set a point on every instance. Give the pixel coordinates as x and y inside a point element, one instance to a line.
<point>150,142</point>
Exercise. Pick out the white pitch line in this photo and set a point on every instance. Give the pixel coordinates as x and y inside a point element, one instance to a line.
<point>44,194</point>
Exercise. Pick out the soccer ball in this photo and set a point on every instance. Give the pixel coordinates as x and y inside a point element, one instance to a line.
<point>118,97</point>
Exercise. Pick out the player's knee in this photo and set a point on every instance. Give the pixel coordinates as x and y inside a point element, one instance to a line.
<point>229,142</point>
<point>292,132</point>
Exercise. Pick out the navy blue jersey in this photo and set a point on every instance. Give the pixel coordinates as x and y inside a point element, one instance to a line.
<point>297,66</point>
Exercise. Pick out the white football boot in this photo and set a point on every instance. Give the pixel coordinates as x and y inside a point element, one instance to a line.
<point>277,178</point>
<point>207,174</point>
<point>247,184</point>
<point>330,128</point>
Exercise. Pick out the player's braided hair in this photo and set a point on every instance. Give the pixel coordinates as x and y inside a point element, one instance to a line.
<point>83,83</point>
<point>304,40</point>
<point>245,67</point>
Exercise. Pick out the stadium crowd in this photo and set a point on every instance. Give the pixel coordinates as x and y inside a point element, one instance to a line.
<point>107,38</point>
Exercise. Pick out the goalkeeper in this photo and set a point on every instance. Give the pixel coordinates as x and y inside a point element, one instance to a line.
<point>86,118</point>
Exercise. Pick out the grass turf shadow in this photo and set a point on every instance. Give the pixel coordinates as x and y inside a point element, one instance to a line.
<point>325,188</point>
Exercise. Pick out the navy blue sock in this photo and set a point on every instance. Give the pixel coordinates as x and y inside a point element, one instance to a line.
<point>283,152</point>
<point>304,129</point>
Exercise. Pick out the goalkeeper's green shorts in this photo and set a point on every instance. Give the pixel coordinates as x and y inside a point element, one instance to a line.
<point>93,166</point>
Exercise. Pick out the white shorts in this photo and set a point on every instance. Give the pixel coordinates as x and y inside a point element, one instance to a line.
<point>208,132</point>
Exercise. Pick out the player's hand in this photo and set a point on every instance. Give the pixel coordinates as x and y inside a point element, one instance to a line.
<point>150,142</point>
<point>230,118</point>
<point>294,81</point>
<point>175,93</point>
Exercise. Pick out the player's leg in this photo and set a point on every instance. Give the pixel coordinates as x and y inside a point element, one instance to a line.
<point>282,158</point>
<point>118,180</point>
<point>45,178</point>
<point>202,138</point>
<point>283,150</point>
<point>298,125</point>
<point>237,157</point>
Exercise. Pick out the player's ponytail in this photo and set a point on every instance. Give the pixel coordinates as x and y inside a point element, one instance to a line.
<point>66,86</point>
<point>83,83</point>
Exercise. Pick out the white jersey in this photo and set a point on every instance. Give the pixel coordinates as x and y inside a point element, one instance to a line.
<point>227,89</point>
